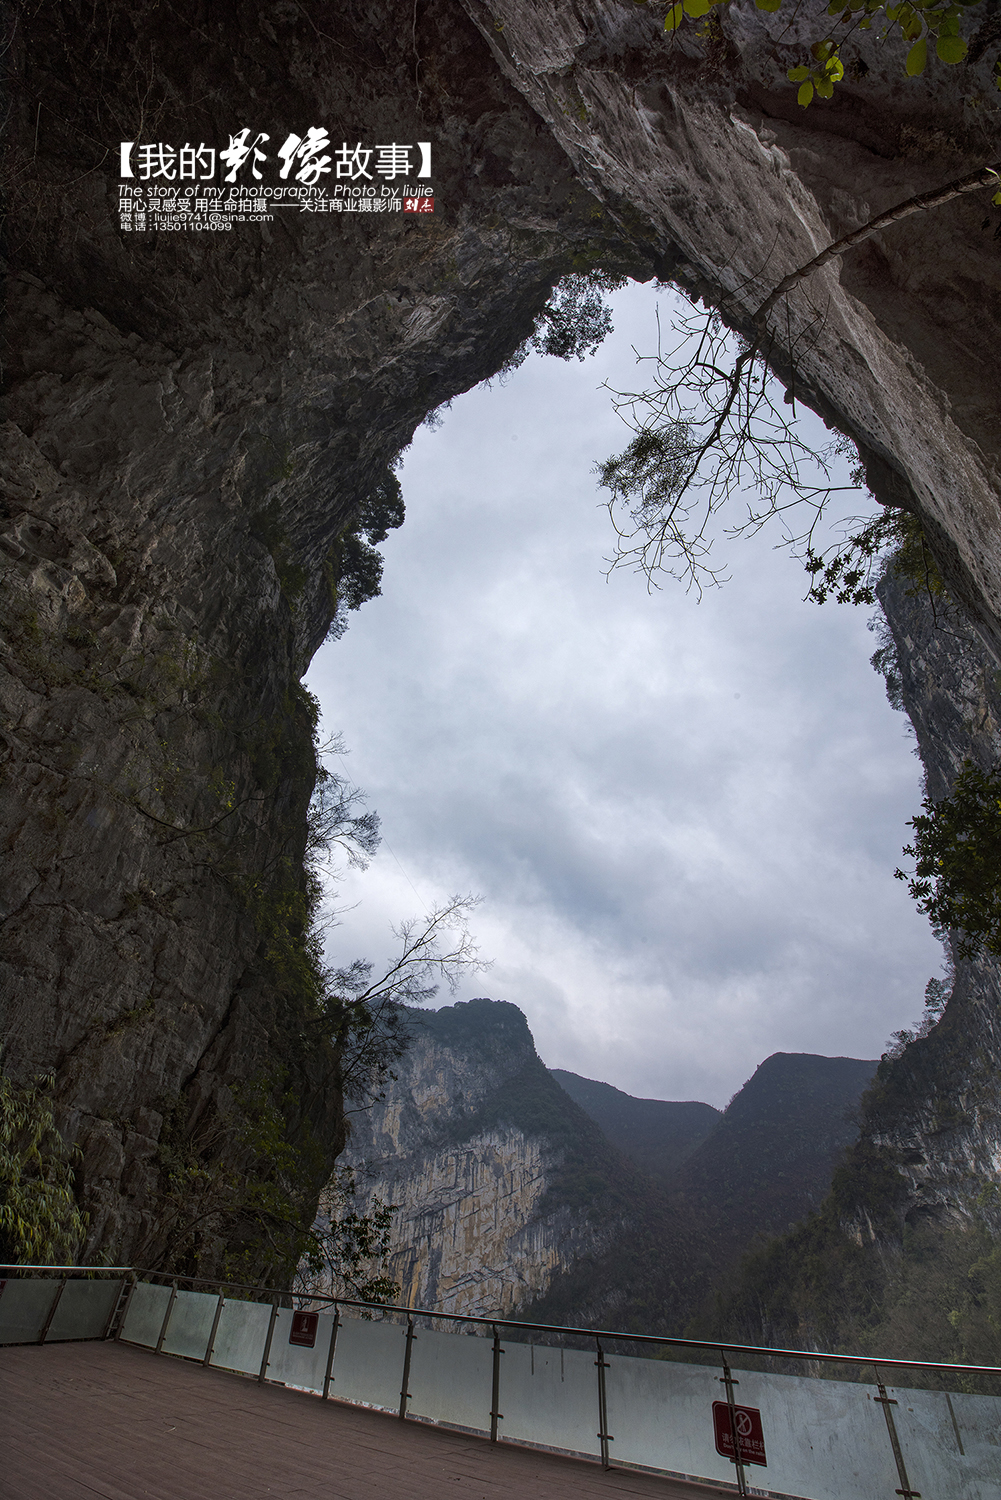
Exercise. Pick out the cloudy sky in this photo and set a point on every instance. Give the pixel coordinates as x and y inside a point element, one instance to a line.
<point>683,818</point>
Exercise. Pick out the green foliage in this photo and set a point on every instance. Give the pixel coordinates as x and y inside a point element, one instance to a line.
<point>819,77</point>
<point>266,526</point>
<point>650,470</point>
<point>283,904</point>
<point>714,428</point>
<point>382,510</point>
<point>938,1297</point>
<point>573,322</point>
<point>920,23</point>
<point>347,1251</point>
<point>239,1185</point>
<point>353,567</point>
<point>282,748</point>
<point>576,319</point>
<point>40,1223</point>
<point>850,571</point>
<point>957,854</point>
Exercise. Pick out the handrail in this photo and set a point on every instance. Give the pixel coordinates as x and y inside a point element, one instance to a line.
<point>117,1270</point>
<point>490,1322</point>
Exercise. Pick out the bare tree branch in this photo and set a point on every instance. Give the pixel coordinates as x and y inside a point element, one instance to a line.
<point>711,428</point>
<point>982,177</point>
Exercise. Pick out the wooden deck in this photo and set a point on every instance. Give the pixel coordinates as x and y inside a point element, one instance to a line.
<point>101,1419</point>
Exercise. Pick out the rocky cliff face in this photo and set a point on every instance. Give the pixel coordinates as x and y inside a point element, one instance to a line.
<point>192,427</point>
<point>478,1148</point>
<point>510,1199</point>
<point>903,1257</point>
<point>702,148</point>
<point>935,1112</point>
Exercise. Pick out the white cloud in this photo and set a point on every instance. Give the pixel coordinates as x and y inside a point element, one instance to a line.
<point>683,818</point>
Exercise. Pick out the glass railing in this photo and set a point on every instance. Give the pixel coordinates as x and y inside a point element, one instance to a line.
<point>780,1422</point>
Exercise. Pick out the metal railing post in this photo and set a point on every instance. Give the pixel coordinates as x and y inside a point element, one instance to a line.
<point>52,1311</point>
<point>604,1436</point>
<point>405,1392</point>
<point>166,1316</point>
<point>327,1377</point>
<point>125,1309</point>
<point>266,1357</point>
<point>727,1379</point>
<point>886,1402</point>
<point>210,1346</point>
<point>495,1414</point>
<point>114,1308</point>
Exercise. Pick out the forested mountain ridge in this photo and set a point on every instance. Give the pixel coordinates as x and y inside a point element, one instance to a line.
<point>770,1158</point>
<point>657,1134</point>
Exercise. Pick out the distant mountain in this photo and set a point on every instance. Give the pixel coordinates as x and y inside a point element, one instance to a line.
<point>765,1163</point>
<point>770,1159</point>
<point>657,1134</point>
<point>534,1192</point>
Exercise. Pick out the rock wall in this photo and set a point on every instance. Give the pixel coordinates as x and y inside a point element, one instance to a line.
<point>460,1144</point>
<point>904,1255</point>
<point>190,427</point>
<point>936,1113</point>
<point>193,422</point>
<point>510,1199</point>
<point>701,147</point>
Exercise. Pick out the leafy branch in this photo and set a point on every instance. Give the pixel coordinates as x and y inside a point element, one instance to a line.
<point>346,1251</point>
<point>712,427</point>
<point>39,1219</point>
<point>369,1019</point>
<point>919,22</point>
<point>957,855</point>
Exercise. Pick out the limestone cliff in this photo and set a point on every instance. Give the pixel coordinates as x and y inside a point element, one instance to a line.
<point>192,427</point>
<point>703,149</point>
<point>484,1155</point>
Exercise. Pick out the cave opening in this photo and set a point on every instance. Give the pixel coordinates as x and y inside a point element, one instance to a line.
<point>683,816</point>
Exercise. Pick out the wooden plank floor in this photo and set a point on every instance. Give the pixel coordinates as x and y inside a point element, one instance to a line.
<point>101,1419</point>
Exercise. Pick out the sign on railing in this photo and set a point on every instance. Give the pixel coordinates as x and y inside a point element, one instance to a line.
<point>829,1439</point>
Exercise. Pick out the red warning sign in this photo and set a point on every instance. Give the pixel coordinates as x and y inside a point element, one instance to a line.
<point>749,1447</point>
<point>303,1330</point>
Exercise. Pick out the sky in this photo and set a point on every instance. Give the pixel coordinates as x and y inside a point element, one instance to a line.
<point>682,817</point>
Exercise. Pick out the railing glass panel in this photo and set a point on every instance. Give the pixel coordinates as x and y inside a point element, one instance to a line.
<point>83,1311</point>
<point>144,1319</point>
<point>24,1306</point>
<point>951,1443</point>
<point>660,1415</point>
<point>239,1340</point>
<point>550,1396</point>
<point>190,1324</point>
<point>368,1367</point>
<point>451,1377</point>
<point>294,1365</point>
